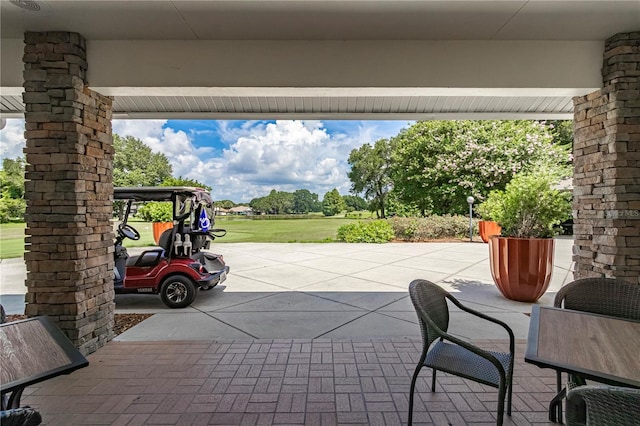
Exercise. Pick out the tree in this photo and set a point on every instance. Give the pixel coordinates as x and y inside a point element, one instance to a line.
<point>370,172</point>
<point>332,203</point>
<point>280,202</point>
<point>355,203</point>
<point>12,178</point>
<point>562,131</point>
<point>438,164</point>
<point>305,201</point>
<point>259,205</point>
<point>277,202</point>
<point>225,204</point>
<point>395,207</point>
<point>135,164</point>
<point>12,202</point>
<point>180,181</point>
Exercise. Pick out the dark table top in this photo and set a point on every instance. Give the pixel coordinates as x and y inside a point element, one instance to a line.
<point>597,347</point>
<point>34,350</point>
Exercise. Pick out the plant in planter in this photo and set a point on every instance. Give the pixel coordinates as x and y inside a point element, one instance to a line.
<point>529,211</point>
<point>160,213</point>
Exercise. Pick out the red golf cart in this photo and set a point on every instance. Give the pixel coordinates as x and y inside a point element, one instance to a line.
<point>181,265</point>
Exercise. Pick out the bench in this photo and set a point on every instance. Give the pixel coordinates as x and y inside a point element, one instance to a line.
<point>31,351</point>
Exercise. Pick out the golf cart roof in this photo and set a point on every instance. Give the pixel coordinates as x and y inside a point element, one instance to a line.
<point>160,193</point>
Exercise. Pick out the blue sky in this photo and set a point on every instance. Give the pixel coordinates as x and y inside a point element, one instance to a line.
<point>243,159</point>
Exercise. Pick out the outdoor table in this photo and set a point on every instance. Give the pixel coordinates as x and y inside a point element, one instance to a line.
<point>597,347</point>
<point>31,351</point>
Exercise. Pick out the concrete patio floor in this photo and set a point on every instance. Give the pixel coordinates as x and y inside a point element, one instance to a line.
<point>301,334</point>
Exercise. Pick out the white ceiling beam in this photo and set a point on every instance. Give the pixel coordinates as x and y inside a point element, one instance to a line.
<point>340,64</point>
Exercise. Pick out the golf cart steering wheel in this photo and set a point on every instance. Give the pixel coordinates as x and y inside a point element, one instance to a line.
<point>128,231</point>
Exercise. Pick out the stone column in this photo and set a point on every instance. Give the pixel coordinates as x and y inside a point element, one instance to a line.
<point>607,167</point>
<point>69,191</point>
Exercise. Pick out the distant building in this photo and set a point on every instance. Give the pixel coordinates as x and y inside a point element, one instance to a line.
<point>241,210</point>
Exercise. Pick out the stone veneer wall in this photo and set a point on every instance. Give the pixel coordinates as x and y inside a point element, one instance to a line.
<point>69,191</point>
<point>607,167</point>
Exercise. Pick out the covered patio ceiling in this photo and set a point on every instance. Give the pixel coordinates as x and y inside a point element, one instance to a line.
<point>345,59</point>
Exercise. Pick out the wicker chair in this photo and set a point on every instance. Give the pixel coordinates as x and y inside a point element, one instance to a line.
<point>604,296</point>
<point>453,355</point>
<point>23,416</point>
<point>603,406</point>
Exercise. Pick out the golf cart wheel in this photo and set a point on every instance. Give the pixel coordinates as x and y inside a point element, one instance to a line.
<point>177,291</point>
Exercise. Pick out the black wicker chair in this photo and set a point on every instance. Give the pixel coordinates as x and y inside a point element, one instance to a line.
<point>23,416</point>
<point>604,296</point>
<point>453,355</point>
<point>603,406</point>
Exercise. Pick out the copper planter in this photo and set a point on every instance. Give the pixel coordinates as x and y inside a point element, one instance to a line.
<point>159,228</point>
<point>487,229</point>
<point>521,267</point>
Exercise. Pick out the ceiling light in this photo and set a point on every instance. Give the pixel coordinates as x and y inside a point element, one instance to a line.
<point>30,5</point>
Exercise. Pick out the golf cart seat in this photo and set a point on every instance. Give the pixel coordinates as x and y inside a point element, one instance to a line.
<point>146,258</point>
<point>152,257</point>
<point>165,239</point>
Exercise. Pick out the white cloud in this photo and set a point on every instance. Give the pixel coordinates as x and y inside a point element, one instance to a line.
<point>288,155</point>
<point>12,139</point>
<point>145,130</point>
<point>228,133</point>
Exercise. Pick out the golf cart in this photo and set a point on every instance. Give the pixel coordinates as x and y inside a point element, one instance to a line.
<point>181,265</point>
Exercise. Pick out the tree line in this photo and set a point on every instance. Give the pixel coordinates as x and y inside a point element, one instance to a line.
<point>303,201</point>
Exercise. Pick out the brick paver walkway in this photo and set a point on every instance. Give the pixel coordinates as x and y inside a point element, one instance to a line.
<point>286,382</point>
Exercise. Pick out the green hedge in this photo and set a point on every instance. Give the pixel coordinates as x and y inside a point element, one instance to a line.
<point>431,228</point>
<point>371,231</point>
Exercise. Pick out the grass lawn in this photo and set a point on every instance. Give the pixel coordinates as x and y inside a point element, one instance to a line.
<point>11,240</point>
<point>238,230</point>
<point>280,231</point>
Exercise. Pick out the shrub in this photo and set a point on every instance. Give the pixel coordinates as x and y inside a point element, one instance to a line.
<point>156,212</point>
<point>431,227</point>
<point>359,214</point>
<point>529,207</point>
<point>12,209</point>
<point>371,231</point>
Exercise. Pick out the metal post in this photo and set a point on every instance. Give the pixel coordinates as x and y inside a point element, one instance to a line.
<point>470,200</point>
